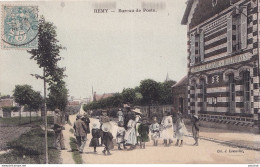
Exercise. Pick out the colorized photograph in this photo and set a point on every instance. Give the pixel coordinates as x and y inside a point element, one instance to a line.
<point>130,82</point>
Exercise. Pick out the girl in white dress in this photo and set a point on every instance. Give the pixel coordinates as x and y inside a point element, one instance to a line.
<point>155,129</point>
<point>167,129</point>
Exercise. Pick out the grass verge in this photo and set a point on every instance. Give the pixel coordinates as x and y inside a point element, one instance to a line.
<point>25,120</point>
<point>29,148</point>
<point>71,130</point>
<point>75,153</point>
<point>69,122</point>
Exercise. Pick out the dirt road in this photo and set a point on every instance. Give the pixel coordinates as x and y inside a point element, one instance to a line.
<point>206,152</point>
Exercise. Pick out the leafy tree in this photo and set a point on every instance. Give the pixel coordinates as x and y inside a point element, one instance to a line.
<point>25,95</point>
<point>58,96</point>
<point>166,92</point>
<point>116,100</point>
<point>150,91</point>
<point>128,95</point>
<point>138,98</point>
<point>5,97</point>
<point>47,56</point>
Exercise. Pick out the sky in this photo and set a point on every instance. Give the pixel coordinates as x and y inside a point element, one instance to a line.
<point>107,51</point>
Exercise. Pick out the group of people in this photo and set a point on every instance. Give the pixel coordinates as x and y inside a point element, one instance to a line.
<point>133,130</point>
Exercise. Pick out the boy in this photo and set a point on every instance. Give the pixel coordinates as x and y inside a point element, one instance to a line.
<point>143,131</point>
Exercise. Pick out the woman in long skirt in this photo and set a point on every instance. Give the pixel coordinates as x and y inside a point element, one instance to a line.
<point>130,135</point>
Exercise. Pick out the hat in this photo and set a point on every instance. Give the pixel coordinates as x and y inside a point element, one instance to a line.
<point>95,126</point>
<point>106,127</point>
<point>57,110</point>
<point>196,116</point>
<point>79,116</point>
<point>137,110</point>
<point>126,106</point>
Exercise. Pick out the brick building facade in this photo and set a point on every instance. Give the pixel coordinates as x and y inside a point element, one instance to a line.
<point>223,57</point>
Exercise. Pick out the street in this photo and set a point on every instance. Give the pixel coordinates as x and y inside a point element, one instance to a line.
<point>207,152</point>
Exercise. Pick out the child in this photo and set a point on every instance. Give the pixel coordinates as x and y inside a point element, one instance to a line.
<point>103,119</point>
<point>167,129</point>
<point>155,129</point>
<point>107,138</point>
<point>180,129</point>
<point>143,131</point>
<point>95,137</point>
<point>195,128</point>
<point>120,135</point>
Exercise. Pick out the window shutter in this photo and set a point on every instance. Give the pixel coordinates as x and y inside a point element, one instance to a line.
<point>229,34</point>
<point>192,49</point>
<point>244,28</point>
<point>202,45</point>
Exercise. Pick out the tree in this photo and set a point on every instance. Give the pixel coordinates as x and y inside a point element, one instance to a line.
<point>25,95</point>
<point>47,57</point>
<point>150,91</point>
<point>166,92</point>
<point>58,96</point>
<point>128,95</point>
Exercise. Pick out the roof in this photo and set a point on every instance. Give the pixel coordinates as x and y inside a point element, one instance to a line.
<point>184,20</point>
<point>6,103</point>
<point>182,82</point>
<point>204,10</point>
<point>98,97</point>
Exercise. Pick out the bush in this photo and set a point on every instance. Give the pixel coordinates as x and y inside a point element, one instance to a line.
<point>10,109</point>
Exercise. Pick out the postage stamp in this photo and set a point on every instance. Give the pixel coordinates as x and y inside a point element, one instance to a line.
<point>19,27</point>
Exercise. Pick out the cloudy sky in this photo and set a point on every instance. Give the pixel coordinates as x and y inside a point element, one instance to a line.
<point>108,51</point>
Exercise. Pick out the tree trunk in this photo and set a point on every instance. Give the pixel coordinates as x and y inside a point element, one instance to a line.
<point>45,111</point>
<point>20,114</point>
<point>30,116</point>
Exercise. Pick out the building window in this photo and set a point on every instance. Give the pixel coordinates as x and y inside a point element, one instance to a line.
<point>237,30</point>
<point>246,89</point>
<point>197,47</point>
<point>214,3</point>
<point>236,33</point>
<point>232,93</point>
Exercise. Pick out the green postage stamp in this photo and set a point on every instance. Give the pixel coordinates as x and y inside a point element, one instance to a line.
<point>19,27</point>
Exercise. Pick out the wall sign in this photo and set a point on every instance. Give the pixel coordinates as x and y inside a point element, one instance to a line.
<point>221,63</point>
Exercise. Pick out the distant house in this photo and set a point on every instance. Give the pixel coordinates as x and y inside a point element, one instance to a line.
<point>9,102</point>
<point>97,97</point>
<point>74,102</point>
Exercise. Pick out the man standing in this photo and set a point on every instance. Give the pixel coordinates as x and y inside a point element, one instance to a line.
<point>58,127</point>
<point>87,121</point>
<point>80,133</point>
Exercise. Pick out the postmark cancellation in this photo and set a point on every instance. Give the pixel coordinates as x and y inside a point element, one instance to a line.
<point>19,27</point>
